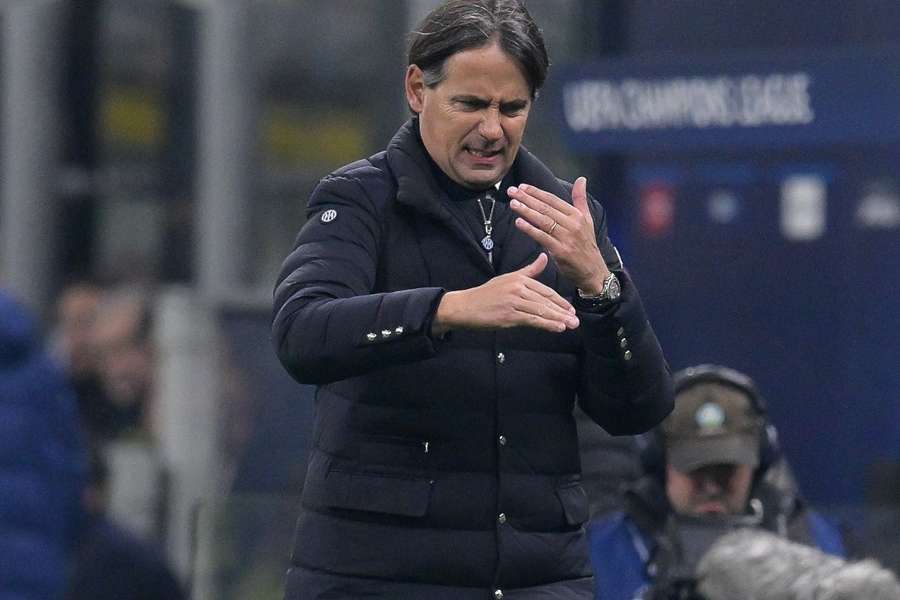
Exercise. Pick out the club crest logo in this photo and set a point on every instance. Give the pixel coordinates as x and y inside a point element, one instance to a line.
<point>710,417</point>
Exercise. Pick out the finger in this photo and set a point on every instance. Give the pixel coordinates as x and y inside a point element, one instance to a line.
<point>580,198</point>
<point>545,309</point>
<point>536,267</point>
<point>540,236</point>
<point>548,324</point>
<point>542,221</point>
<point>556,211</point>
<point>553,322</point>
<point>547,293</point>
<point>551,200</point>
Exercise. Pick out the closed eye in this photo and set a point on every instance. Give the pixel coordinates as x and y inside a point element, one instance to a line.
<point>514,108</point>
<point>471,103</point>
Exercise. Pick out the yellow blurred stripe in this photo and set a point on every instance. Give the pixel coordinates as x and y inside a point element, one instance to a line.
<point>132,116</point>
<point>293,137</point>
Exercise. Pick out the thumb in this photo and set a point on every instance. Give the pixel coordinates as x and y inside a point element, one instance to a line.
<point>536,267</point>
<point>579,196</point>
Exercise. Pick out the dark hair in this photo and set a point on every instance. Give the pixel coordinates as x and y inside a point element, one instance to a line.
<point>458,25</point>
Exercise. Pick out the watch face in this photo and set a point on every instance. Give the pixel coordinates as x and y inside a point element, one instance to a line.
<point>613,289</point>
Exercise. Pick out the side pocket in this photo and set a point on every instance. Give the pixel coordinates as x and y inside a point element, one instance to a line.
<point>365,491</point>
<point>574,502</point>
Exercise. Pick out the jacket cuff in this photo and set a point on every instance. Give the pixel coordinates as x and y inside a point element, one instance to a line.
<point>613,332</point>
<point>404,319</point>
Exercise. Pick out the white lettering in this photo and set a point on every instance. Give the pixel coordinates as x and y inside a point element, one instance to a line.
<point>698,102</point>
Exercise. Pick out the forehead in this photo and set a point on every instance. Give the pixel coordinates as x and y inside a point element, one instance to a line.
<point>78,300</point>
<point>119,321</point>
<point>487,72</point>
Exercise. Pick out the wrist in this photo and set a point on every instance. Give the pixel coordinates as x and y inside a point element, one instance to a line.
<point>594,285</point>
<point>444,316</point>
<point>607,297</point>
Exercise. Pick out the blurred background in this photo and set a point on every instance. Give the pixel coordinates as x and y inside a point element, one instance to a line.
<point>157,156</point>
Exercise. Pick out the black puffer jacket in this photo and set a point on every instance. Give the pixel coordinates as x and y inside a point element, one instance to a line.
<point>444,469</point>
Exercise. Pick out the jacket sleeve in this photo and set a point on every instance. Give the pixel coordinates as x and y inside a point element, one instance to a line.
<point>626,384</point>
<point>328,324</point>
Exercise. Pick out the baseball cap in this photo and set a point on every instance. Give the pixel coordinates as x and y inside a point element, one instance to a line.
<point>712,423</point>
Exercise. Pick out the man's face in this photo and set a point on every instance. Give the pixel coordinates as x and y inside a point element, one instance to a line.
<point>125,362</point>
<point>722,489</point>
<point>473,121</point>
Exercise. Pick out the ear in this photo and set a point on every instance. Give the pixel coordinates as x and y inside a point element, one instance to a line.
<point>415,88</point>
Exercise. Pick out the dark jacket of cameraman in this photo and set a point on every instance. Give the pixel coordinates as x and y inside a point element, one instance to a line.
<point>444,468</point>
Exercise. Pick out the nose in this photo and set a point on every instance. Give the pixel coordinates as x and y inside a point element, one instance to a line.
<point>710,485</point>
<point>490,128</point>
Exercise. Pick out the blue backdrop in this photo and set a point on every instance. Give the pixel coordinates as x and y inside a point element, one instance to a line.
<point>762,224</point>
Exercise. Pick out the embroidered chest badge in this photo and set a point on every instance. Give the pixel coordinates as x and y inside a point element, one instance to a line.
<point>328,216</point>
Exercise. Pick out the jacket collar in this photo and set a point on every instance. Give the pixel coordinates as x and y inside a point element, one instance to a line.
<point>419,189</point>
<point>416,186</point>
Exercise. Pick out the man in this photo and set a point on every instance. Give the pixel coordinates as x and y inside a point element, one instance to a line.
<point>712,466</point>
<point>76,315</point>
<point>41,463</point>
<point>122,339</point>
<point>123,346</point>
<point>451,297</point>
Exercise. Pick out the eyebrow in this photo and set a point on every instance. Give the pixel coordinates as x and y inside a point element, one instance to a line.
<point>512,105</point>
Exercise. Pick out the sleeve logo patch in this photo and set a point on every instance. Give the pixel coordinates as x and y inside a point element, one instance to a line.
<point>328,216</point>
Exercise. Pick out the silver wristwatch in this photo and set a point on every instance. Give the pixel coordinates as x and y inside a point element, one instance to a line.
<point>609,294</point>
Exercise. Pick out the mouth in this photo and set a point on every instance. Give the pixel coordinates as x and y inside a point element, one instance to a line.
<point>483,155</point>
<point>711,507</point>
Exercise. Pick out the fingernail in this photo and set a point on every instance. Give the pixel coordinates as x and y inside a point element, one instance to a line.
<point>515,203</point>
<point>573,321</point>
<point>512,189</point>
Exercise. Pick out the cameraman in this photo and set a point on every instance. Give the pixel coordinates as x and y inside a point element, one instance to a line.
<point>712,466</point>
